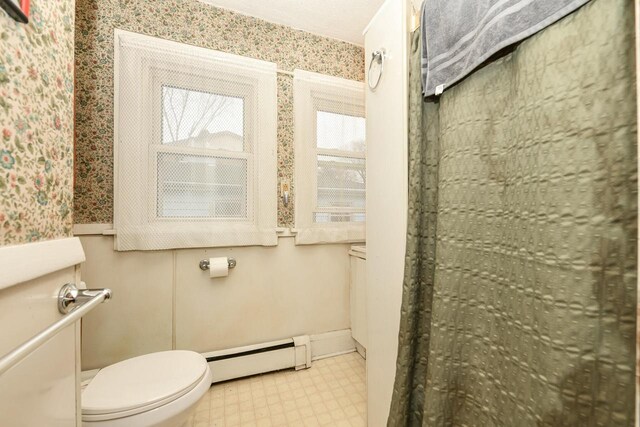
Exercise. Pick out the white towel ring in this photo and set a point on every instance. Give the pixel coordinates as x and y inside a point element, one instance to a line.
<point>377,56</point>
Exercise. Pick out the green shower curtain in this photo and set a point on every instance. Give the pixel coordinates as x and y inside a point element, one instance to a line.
<point>520,276</point>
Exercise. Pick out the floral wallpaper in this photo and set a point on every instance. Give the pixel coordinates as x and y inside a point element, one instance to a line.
<point>36,123</point>
<point>192,22</point>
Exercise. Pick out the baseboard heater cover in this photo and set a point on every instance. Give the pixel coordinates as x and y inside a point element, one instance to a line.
<point>256,359</point>
<point>260,358</point>
<point>251,352</point>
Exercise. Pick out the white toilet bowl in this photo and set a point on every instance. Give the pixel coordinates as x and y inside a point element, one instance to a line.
<point>157,389</point>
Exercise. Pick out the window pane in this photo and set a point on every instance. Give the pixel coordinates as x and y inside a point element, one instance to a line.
<point>341,182</point>
<point>201,187</point>
<point>338,217</point>
<point>340,131</point>
<point>203,120</point>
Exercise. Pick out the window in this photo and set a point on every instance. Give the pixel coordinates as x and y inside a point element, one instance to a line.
<point>330,153</point>
<point>195,147</point>
<point>202,186</point>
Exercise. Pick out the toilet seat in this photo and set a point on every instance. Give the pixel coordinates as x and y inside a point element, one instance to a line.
<point>141,384</point>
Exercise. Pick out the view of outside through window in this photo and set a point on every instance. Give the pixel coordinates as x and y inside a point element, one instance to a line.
<point>199,186</point>
<point>340,140</point>
<point>202,185</point>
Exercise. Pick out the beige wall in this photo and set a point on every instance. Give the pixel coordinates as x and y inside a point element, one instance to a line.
<point>162,300</point>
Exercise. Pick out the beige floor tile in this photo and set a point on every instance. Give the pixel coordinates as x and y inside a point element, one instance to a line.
<point>276,409</point>
<point>273,399</point>
<point>231,409</point>
<point>264,412</point>
<point>246,406</point>
<point>293,416</point>
<point>331,404</point>
<point>201,417</point>
<point>344,401</point>
<point>331,393</point>
<point>319,408</point>
<point>338,415</point>
<point>325,419</point>
<point>217,415</point>
<point>310,422</point>
<point>232,420</point>
<point>287,395</point>
<point>339,392</point>
<point>322,386</point>
<point>260,402</point>
<point>247,417</point>
<point>306,412</point>
<point>263,422</point>
<point>351,411</point>
<point>315,398</point>
<point>278,420</point>
<point>311,390</point>
<point>271,390</point>
<point>358,422</point>
<point>303,402</point>
<point>289,405</point>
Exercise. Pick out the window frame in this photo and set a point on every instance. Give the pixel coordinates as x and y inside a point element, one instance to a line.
<point>156,85</point>
<point>158,63</point>
<point>315,92</point>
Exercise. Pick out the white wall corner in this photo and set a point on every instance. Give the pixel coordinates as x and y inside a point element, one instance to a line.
<point>332,344</point>
<point>361,350</point>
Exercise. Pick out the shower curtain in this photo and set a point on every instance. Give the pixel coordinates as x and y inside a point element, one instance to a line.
<point>520,276</point>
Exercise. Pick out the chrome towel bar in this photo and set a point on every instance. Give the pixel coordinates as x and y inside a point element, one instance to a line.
<point>92,298</point>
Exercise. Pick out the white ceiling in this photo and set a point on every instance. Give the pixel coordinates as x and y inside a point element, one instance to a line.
<point>339,19</point>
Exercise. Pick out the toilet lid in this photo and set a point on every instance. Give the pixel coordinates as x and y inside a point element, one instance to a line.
<point>143,383</point>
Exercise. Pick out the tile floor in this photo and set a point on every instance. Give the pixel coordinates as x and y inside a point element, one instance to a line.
<point>332,392</point>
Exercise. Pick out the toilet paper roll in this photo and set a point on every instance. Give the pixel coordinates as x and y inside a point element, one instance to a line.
<point>218,267</point>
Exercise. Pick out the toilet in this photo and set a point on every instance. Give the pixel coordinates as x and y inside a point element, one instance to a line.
<point>158,389</point>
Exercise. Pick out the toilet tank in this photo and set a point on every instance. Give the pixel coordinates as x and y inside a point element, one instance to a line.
<point>358,293</point>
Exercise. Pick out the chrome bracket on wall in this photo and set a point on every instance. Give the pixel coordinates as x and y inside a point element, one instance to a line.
<point>378,57</point>
<point>71,297</point>
<point>204,264</point>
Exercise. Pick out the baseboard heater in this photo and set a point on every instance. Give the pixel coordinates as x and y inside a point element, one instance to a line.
<point>272,356</point>
<point>260,358</point>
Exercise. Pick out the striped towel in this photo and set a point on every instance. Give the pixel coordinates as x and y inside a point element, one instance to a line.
<point>459,35</point>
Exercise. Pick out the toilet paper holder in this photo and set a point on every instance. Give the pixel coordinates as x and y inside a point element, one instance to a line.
<point>204,264</point>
